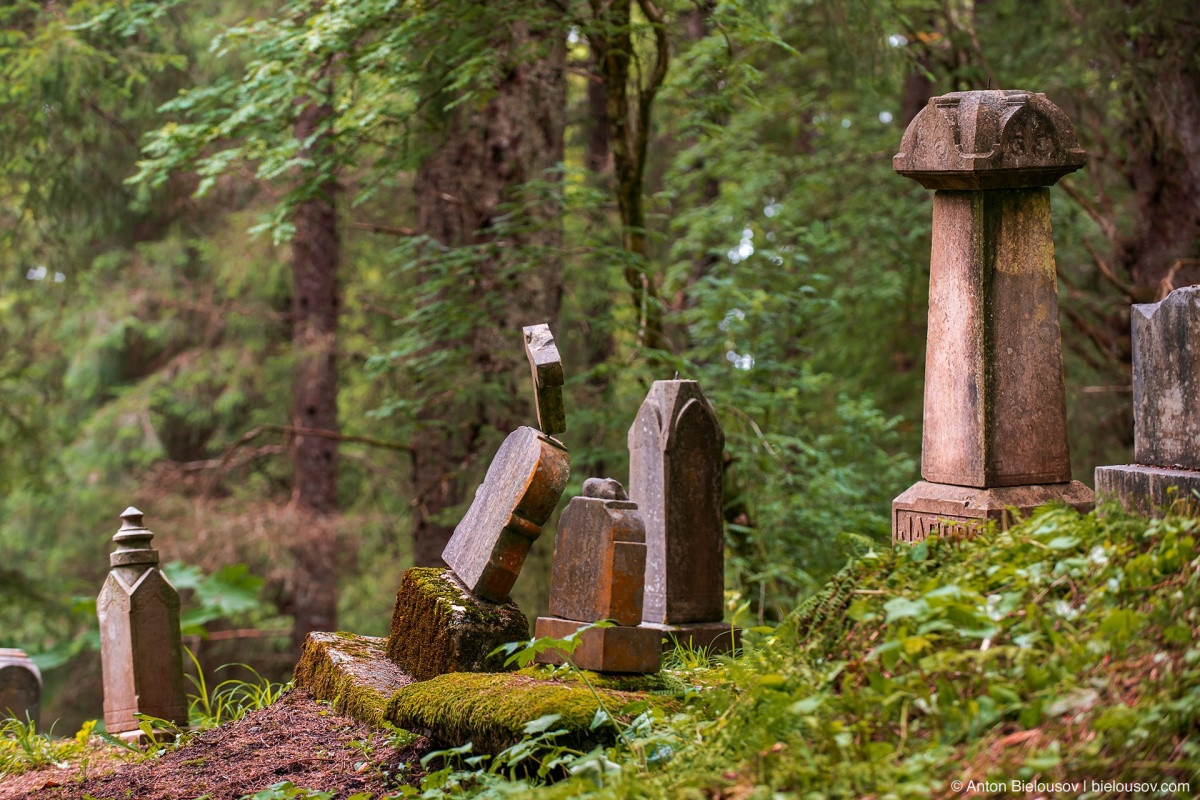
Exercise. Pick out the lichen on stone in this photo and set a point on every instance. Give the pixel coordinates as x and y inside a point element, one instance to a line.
<point>439,627</point>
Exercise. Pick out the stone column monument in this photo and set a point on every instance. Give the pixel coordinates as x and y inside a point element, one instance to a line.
<point>140,649</point>
<point>1166,409</point>
<point>995,426</point>
<point>20,686</point>
<point>675,450</point>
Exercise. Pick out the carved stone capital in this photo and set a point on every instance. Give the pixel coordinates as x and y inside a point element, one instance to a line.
<point>996,139</point>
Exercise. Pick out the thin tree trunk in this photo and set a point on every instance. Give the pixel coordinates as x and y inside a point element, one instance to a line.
<point>486,155</point>
<point>315,255</point>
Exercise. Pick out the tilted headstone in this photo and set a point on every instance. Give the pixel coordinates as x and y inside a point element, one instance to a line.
<point>523,485</point>
<point>675,466</point>
<point>20,686</point>
<point>1166,409</point>
<point>141,653</point>
<point>995,425</point>
<point>546,366</point>
<point>599,574</point>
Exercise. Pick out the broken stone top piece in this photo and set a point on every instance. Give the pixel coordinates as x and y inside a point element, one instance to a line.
<point>995,139</point>
<point>133,542</point>
<point>604,489</point>
<point>546,365</point>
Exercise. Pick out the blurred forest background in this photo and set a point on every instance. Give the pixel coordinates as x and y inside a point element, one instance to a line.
<point>264,265</point>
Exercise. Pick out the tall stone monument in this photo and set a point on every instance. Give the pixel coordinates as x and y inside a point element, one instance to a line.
<point>599,574</point>
<point>141,653</point>
<point>1166,409</point>
<point>675,451</point>
<point>995,425</point>
<point>20,686</point>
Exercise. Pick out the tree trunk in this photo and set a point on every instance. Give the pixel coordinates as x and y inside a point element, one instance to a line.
<point>315,254</point>
<point>484,157</point>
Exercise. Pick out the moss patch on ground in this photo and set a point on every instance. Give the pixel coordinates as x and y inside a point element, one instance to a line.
<point>439,627</point>
<point>659,683</point>
<point>492,710</point>
<point>350,671</point>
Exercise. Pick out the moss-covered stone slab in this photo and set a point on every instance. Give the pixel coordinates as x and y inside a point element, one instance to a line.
<point>491,711</point>
<point>439,627</point>
<point>353,672</point>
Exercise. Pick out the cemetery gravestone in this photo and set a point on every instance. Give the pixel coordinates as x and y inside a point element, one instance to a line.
<point>675,451</point>
<point>995,423</point>
<point>20,686</point>
<point>141,652</point>
<point>599,574</point>
<point>546,365</point>
<point>1166,409</point>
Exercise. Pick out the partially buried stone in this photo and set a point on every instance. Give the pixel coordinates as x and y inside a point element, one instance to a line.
<point>141,654</point>
<point>547,369</point>
<point>20,686</point>
<point>519,493</point>
<point>438,626</point>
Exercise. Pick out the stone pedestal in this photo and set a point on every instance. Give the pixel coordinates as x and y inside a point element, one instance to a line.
<point>675,448</point>
<point>438,626</point>
<point>141,653</point>
<point>621,648</point>
<point>1166,410</point>
<point>20,686</point>
<point>523,484</point>
<point>995,423</point>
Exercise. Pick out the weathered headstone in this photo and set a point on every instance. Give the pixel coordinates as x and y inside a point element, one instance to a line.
<point>519,493</point>
<point>675,451</point>
<point>546,366</point>
<point>995,427</point>
<point>1166,409</point>
<point>20,686</point>
<point>599,574</point>
<point>140,648</point>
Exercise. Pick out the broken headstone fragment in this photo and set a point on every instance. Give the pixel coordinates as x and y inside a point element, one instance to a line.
<point>1166,409</point>
<point>995,424</point>
<point>141,654</point>
<point>519,493</point>
<point>20,686</point>
<point>675,466</point>
<point>547,369</point>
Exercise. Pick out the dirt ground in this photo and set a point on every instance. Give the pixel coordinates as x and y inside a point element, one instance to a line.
<point>296,739</point>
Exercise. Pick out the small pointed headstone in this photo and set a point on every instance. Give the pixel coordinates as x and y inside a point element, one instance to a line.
<point>547,369</point>
<point>523,485</point>
<point>20,686</point>
<point>1166,409</point>
<point>675,466</point>
<point>599,574</point>
<point>141,653</point>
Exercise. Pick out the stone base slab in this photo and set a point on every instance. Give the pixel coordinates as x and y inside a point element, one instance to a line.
<point>715,637</point>
<point>621,648</point>
<point>350,671</point>
<point>957,511</point>
<point>1150,490</point>
<point>438,626</point>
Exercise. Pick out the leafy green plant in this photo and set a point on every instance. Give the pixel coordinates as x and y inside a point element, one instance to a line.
<point>229,700</point>
<point>22,748</point>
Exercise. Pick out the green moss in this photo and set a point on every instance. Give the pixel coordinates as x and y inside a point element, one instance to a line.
<point>660,683</point>
<point>438,627</point>
<point>491,711</point>
<point>352,672</point>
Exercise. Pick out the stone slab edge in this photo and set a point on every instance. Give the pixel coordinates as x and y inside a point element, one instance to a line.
<point>1148,490</point>
<point>350,671</point>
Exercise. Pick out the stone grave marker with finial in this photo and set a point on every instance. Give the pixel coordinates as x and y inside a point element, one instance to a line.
<point>599,574</point>
<point>141,652</point>
<point>20,686</point>
<point>995,425</point>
